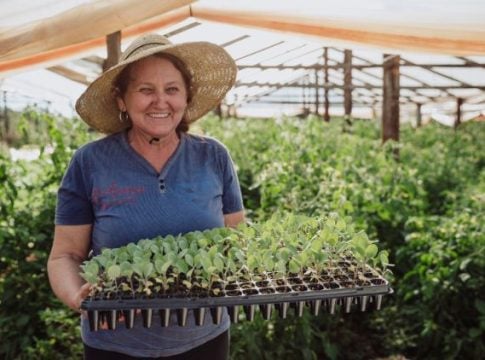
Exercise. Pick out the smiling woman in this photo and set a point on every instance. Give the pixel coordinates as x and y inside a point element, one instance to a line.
<point>153,95</point>
<point>149,177</point>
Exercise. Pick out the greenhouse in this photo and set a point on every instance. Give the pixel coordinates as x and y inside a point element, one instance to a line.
<point>354,129</point>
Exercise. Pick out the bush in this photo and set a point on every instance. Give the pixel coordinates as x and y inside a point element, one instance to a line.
<point>28,197</point>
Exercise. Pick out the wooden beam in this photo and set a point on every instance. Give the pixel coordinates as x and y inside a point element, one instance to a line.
<point>404,63</point>
<point>363,70</point>
<point>237,14</point>
<point>233,41</point>
<point>459,103</point>
<point>6,120</point>
<point>317,100</point>
<point>62,54</point>
<point>326,115</point>
<point>369,87</point>
<point>79,24</point>
<point>440,74</point>
<point>182,29</point>
<point>113,44</point>
<point>390,104</point>
<point>348,83</point>
<point>296,102</point>
<point>70,74</point>
<point>260,50</point>
<point>419,120</point>
<point>98,60</point>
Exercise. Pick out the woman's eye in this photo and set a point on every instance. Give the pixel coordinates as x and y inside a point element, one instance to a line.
<point>146,90</point>
<point>172,89</point>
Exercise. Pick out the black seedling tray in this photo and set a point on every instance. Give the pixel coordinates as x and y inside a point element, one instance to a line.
<point>280,294</point>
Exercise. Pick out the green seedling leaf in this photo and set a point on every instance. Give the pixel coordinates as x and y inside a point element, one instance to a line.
<point>293,266</point>
<point>219,264</point>
<point>203,242</point>
<point>205,261</point>
<point>182,266</point>
<point>183,244</point>
<point>360,240</point>
<point>213,251</point>
<point>384,258</point>
<point>317,245</point>
<point>114,272</point>
<point>189,260</point>
<point>90,278</point>
<point>283,254</point>
<point>371,251</point>
<point>281,267</point>
<point>340,225</point>
<point>91,267</point>
<point>158,263</point>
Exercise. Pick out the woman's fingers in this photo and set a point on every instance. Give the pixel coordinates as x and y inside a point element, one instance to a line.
<point>81,295</point>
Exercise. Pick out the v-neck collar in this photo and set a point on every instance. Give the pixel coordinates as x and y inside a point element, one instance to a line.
<point>144,162</point>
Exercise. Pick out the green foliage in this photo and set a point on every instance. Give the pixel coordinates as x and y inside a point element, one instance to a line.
<point>418,208</point>
<point>61,338</point>
<point>445,260</point>
<point>285,244</point>
<point>426,209</point>
<point>27,202</point>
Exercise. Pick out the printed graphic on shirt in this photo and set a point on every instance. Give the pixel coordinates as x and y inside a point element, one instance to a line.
<point>104,198</point>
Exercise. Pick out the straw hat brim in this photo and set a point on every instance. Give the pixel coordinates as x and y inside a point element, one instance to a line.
<point>213,74</point>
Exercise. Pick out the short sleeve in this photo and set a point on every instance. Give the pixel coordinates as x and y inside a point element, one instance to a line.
<point>73,200</point>
<point>231,196</point>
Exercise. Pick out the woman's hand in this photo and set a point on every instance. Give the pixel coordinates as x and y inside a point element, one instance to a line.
<point>80,296</point>
<point>69,250</point>
<point>234,219</point>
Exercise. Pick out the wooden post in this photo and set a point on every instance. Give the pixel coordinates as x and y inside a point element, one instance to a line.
<point>390,98</point>
<point>348,84</point>
<point>326,115</point>
<point>303,88</point>
<point>113,44</point>
<point>418,115</point>
<point>5,115</point>
<point>459,102</point>
<point>218,111</point>
<point>317,102</point>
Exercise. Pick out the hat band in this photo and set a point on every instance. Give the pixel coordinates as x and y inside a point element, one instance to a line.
<point>141,46</point>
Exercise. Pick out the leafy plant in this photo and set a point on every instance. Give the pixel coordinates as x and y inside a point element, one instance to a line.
<point>284,245</point>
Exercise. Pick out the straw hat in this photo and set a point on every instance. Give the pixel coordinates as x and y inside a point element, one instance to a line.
<point>212,69</point>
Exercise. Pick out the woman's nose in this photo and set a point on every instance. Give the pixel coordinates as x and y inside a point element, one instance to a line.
<point>160,97</point>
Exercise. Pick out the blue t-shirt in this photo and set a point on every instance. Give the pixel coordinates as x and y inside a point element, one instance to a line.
<point>108,184</point>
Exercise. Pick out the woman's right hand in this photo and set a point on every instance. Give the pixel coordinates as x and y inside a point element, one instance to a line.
<point>80,296</point>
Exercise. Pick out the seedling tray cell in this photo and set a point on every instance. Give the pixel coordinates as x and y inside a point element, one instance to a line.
<point>274,296</point>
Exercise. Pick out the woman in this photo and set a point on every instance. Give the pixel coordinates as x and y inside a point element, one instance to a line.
<point>149,177</point>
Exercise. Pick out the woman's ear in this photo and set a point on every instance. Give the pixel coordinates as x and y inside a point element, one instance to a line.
<point>121,104</point>
<point>115,92</point>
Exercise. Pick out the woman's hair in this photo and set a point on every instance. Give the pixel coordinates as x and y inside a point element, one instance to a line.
<point>121,83</point>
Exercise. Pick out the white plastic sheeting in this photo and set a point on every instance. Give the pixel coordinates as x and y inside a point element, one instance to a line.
<point>277,32</point>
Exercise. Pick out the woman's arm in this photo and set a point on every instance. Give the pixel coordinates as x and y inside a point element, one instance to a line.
<point>69,250</point>
<point>234,219</point>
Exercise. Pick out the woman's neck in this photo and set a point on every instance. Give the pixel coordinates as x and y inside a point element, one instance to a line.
<point>155,150</point>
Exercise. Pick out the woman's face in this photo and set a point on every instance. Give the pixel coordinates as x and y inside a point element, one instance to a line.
<point>156,97</point>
